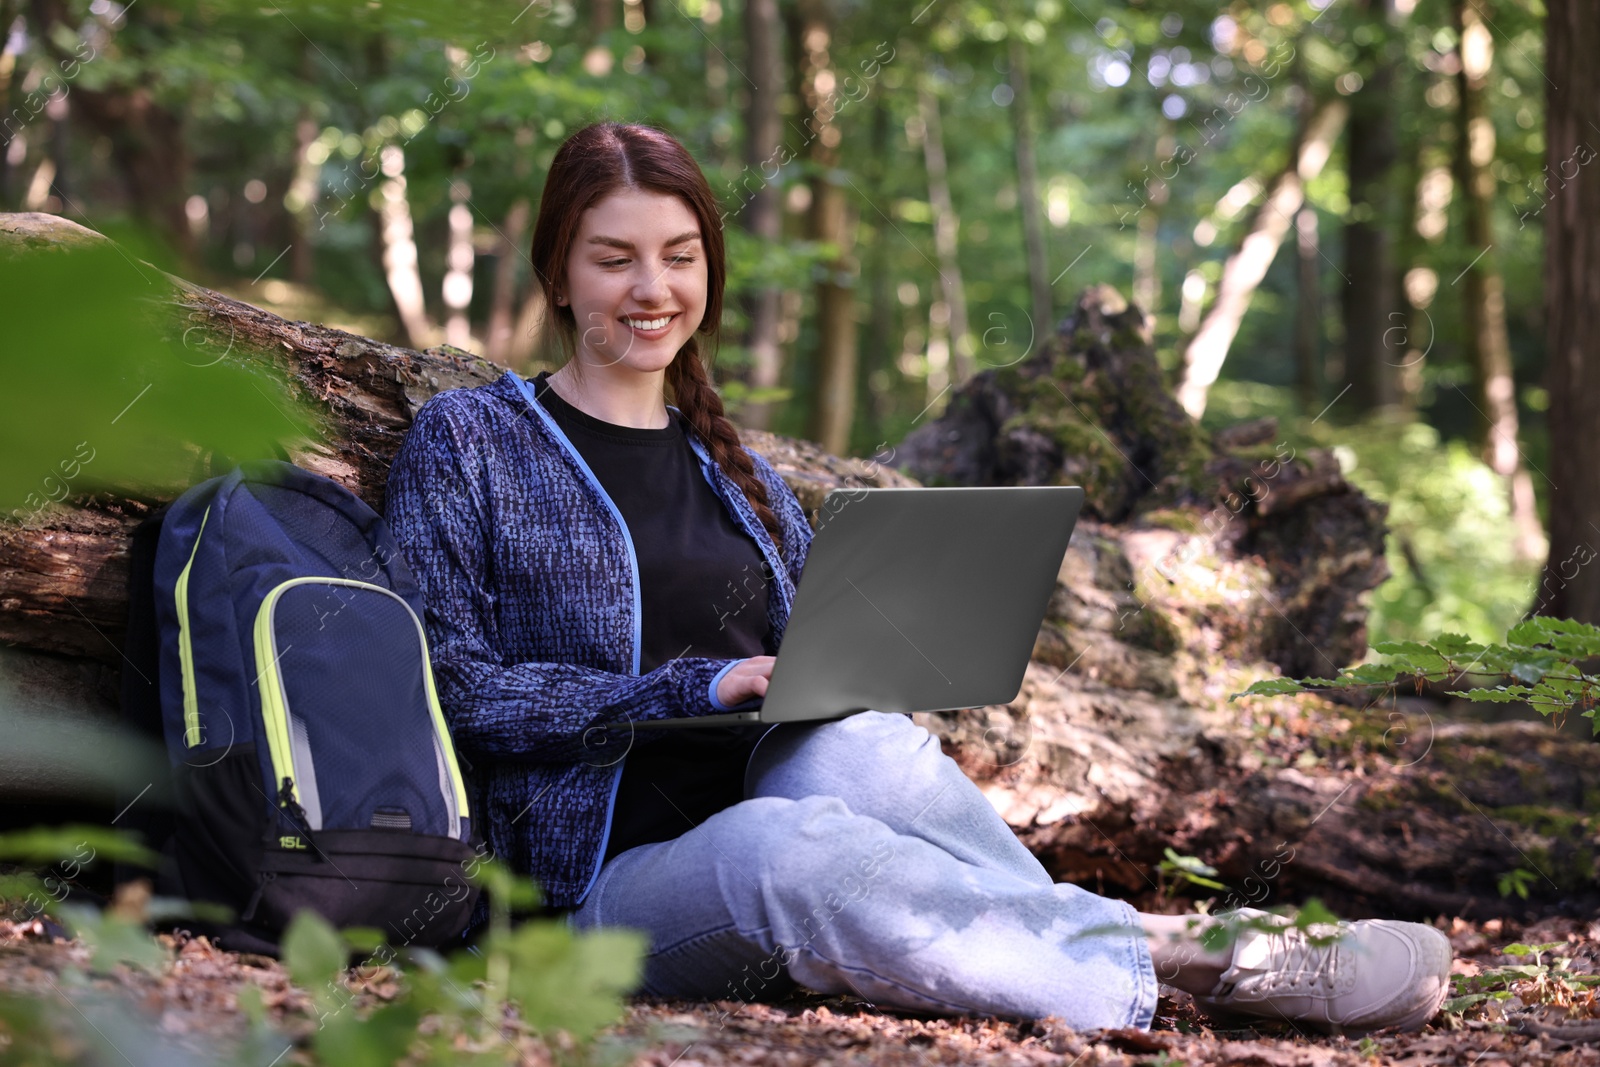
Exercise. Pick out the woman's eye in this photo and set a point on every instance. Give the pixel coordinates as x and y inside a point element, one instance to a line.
<point>613,263</point>
<point>681,259</point>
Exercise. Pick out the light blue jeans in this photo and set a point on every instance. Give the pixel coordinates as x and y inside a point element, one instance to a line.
<point>864,861</point>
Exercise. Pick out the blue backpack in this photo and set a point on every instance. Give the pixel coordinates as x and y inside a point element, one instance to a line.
<point>312,764</point>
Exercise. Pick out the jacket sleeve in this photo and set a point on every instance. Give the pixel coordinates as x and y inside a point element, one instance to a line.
<point>437,507</point>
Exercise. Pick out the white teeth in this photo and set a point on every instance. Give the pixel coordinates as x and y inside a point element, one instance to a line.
<point>648,324</point>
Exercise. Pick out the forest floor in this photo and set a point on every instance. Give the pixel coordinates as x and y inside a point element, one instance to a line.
<point>194,1004</point>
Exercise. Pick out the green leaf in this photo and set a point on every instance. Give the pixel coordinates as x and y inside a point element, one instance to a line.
<point>509,888</point>
<point>381,1039</point>
<point>1531,632</point>
<point>1456,1005</point>
<point>563,980</point>
<point>363,938</point>
<point>314,952</point>
<point>77,843</point>
<point>113,939</point>
<point>1573,639</point>
<point>1417,658</point>
<point>1374,673</point>
<point>1313,911</point>
<point>1531,670</point>
<point>1456,646</point>
<point>1188,864</point>
<point>1509,694</point>
<point>1270,687</point>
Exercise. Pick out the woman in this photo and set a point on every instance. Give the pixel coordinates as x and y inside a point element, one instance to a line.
<point>576,538</point>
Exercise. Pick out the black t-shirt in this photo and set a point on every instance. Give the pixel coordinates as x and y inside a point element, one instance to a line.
<point>703,592</point>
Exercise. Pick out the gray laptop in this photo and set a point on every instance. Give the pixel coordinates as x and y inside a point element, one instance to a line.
<point>916,599</point>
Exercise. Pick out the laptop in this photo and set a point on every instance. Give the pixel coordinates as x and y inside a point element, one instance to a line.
<point>915,599</point>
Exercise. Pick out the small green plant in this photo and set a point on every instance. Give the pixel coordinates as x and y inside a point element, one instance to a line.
<point>1516,881</point>
<point>1530,983</point>
<point>1538,664</point>
<point>1175,870</point>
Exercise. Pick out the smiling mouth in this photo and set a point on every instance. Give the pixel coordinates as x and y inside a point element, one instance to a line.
<point>649,325</point>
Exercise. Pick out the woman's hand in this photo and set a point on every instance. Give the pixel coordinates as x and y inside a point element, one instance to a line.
<point>747,680</point>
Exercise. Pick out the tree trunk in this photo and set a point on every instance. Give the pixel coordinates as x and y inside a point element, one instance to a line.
<point>946,227</point>
<point>761,215</point>
<point>498,342</point>
<point>302,200</point>
<point>147,139</point>
<point>1028,191</point>
<point>9,11</point>
<point>400,267</point>
<point>832,223</point>
<point>1368,255</point>
<point>873,383</point>
<point>456,288</point>
<point>1146,242</point>
<point>1570,588</point>
<point>1411,337</point>
<point>1242,273</point>
<point>1307,312</point>
<point>1483,292</point>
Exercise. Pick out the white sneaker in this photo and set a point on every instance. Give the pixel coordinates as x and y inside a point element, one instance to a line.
<point>1378,973</point>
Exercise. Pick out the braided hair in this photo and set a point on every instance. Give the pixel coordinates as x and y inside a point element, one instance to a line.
<point>595,162</point>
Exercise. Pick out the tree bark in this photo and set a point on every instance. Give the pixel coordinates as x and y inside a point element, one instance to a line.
<point>1570,587</point>
<point>832,222</point>
<point>1368,252</point>
<point>762,214</point>
<point>1483,292</point>
<point>1028,191</point>
<point>1242,273</point>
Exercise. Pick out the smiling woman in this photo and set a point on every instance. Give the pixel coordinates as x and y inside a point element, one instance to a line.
<point>635,302</point>
<point>574,536</point>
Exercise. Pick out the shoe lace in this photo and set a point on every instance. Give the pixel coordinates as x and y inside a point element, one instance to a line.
<point>1304,965</point>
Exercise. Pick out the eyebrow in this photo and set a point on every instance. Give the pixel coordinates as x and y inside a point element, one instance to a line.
<point>617,242</point>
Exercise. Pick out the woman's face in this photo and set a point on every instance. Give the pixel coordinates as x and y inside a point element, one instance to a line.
<point>636,280</point>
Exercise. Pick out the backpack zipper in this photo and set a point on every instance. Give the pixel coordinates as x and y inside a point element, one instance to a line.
<point>275,708</point>
<point>191,697</point>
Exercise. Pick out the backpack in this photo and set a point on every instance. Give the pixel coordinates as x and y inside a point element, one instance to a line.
<point>312,766</point>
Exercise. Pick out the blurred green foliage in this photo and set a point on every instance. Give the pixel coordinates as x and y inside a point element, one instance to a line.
<point>482,93</point>
<point>108,386</point>
<point>563,985</point>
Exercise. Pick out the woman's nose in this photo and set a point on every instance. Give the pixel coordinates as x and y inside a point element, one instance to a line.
<point>650,286</point>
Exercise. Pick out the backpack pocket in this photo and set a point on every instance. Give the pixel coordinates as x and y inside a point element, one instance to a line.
<point>414,889</point>
<point>346,689</point>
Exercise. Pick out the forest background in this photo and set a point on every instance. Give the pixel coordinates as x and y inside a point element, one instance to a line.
<point>1336,212</point>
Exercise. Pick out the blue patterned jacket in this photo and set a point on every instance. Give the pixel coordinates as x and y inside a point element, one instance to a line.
<point>533,618</point>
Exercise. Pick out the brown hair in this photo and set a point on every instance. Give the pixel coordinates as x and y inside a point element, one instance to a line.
<point>595,162</point>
